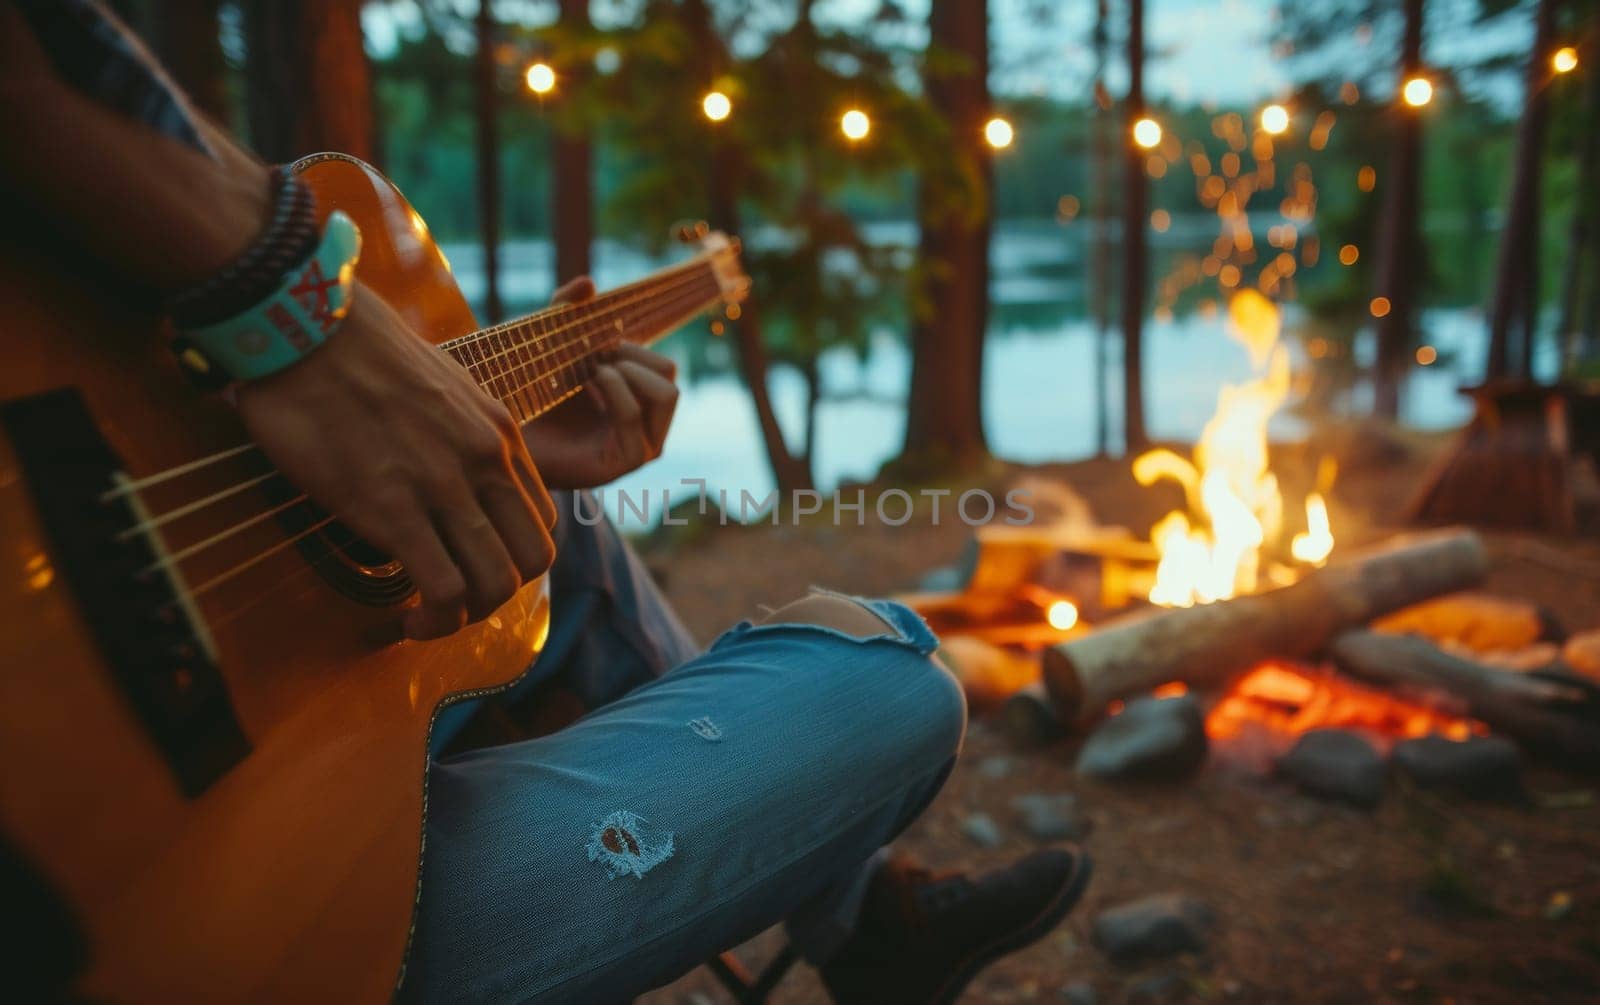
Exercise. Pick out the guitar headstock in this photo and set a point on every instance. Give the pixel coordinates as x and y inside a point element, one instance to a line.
<point>722,253</point>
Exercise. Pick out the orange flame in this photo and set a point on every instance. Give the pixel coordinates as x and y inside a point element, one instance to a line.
<point>1212,550</point>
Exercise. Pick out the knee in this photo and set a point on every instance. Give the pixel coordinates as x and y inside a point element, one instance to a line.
<point>907,683</point>
<point>829,610</point>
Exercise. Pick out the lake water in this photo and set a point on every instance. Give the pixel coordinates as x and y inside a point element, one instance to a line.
<point>1038,394</point>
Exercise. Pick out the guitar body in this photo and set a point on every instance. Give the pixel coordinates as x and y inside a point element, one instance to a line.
<point>291,873</point>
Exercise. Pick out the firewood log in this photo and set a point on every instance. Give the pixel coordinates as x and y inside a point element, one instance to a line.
<point>1208,644</point>
<point>1552,713</point>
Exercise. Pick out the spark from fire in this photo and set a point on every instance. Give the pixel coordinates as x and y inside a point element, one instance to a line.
<point>1213,548</point>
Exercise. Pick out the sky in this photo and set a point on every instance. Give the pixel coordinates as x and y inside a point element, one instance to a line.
<point>1200,51</point>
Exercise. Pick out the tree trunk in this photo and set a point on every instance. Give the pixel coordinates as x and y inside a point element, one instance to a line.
<point>1400,246</point>
<point>1577,333</point>
<point>944,410</point>
<point>1135,200</point>
<point>309,86</point>
<point>185,35</point>
<point>572,189</point>
<point>1516,298</point>
<point>790,472</point>
<point>487,122</point>
<point>1098,252</point>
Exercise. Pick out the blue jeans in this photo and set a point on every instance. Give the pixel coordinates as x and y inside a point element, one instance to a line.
<point>690,810</point>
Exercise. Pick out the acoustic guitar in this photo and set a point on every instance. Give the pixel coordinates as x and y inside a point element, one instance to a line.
<point>213,744</point>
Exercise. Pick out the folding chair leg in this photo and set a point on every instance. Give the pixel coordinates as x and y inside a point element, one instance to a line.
<point>745,989</point>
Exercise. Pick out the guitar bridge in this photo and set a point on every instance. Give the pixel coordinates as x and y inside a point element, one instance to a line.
<point>150,636</point>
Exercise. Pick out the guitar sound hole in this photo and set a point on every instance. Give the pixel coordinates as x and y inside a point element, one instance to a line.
<point>346,562</point>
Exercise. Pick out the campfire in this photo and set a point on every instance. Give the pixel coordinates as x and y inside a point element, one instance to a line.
<point>1247,610</point>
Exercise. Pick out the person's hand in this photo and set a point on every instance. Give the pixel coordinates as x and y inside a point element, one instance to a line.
<point>395,439</point>
<point>618,423</point>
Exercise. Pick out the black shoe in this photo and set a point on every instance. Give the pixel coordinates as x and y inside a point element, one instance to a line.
<point>923,938</point>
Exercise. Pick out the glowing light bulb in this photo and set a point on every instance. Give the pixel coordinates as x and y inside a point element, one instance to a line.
<point>716,106</point>
<point>998,133</point>
<point>541,78</point>
<point>1564,59</point>
<point>1275,119</point>
<point>1147,133</point>
<point>855,125</point>
<point>1062,615</point>
<point>1417,92</point>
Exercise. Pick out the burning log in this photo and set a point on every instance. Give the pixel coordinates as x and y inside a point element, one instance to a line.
<point>1551,713</point>
<point>1210,643</point>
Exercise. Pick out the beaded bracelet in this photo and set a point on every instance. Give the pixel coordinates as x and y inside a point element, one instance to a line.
<point>288,239</point>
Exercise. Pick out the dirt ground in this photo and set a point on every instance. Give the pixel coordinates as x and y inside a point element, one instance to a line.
<point>1426,899</point>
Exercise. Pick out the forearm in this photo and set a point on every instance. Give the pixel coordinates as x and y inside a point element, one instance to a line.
<point>160,212</point>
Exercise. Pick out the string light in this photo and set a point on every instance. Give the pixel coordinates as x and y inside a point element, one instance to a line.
<point>1417,92</point>
<point>1564,59</point>
<point>998,133</point>
<point>541,78</point>
<point>716,106</point>
<point>855,125</point>
<point>1147,133</point>
<point>1275,119</point>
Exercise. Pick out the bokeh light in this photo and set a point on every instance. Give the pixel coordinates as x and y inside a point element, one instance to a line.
<point>998,133</point>
<point>1147,133</point>
<point>716,106</point>
<point>1564,59</point>
<point>1417,92</point>
<point>855,125</point>
<point>541,78</point>
<point>1275,119</point>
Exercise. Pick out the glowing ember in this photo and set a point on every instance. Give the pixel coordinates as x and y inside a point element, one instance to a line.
<point>1267,709</point>
<point>1213,550</point>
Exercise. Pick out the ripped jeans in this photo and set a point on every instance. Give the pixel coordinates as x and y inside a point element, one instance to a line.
<point>708,796</point>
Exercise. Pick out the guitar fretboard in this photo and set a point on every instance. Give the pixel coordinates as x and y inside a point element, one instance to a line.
<point>536,362</point>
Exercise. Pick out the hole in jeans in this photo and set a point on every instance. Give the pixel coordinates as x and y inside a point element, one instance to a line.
<point>628,845</point>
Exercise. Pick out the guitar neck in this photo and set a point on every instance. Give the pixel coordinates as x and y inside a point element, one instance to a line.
<point>536,362</point>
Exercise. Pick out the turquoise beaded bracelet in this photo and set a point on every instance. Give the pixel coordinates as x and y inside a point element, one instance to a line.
<point>304,311</point>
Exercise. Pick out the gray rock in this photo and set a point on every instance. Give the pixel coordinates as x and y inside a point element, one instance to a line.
<point>1079,993</point>
<point>1480,767</point>
<point>998,766</point>
<point>1336,764</point>
<point>1153,927</point>
<point>981,830</point>
<point>1052,817</point>
<point>1151,738</point>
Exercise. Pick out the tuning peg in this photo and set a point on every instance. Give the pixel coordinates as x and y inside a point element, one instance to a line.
<point>701,229</point>
<point>684,232</point>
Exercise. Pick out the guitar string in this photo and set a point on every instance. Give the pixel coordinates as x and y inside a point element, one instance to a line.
<point>488,384</point>
<point>175,559</point>
<point>330,550</point>
<point>178,471</point>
